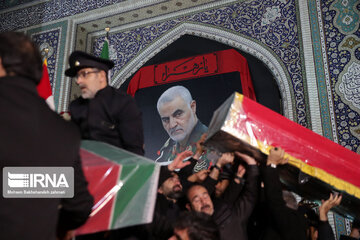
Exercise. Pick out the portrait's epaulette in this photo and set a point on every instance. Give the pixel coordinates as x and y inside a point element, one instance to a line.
<point>166,144</point>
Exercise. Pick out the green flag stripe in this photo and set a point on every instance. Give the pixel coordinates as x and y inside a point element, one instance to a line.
<point>105,50</point>
<point>134,181</point>
<point>136,172</point>
<point>141,207</point>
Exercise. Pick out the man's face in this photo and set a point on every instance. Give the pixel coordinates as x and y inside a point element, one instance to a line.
<point>172,187</point>
<point>90,81</point>
<point>200,200</point>
<point>178,118</point>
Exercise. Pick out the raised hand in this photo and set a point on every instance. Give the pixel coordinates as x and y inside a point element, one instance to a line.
<point>225,159</point>
<point>249,160</point>
<point>178,161</point>
<point>332,201</point>
<point>199,176</point>
<point>241,171</point>
<point>200,146</point>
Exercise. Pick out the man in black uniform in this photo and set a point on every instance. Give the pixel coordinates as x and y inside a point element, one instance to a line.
<point>104,113</point>
<point>32,135</point>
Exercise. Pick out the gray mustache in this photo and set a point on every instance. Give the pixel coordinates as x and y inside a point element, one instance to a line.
<point>175,129</point>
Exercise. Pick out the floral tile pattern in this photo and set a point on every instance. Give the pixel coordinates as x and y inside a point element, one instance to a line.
<point>272,23</point>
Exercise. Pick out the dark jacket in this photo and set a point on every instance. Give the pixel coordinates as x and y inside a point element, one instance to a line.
<point>232,218</point>
<point>111,116</point>
<point>325,231</point>
<point>166,212</point>
<point>282,222</point>
<point>33,135</point>
<point>165,215</point>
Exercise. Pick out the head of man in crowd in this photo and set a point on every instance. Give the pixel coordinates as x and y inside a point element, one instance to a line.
<point>89,72</point>
<point>170,186</point>
<point>199,200</point>
<point>177,111</point>
<point>19,56</point>
<point>195,226</point>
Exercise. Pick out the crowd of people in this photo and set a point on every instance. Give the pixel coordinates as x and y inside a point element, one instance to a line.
<point>232,197</point>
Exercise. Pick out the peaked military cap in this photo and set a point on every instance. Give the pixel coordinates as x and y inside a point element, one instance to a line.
<point>79,60</point>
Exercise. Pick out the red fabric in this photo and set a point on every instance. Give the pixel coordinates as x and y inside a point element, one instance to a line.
<point>102,175</point>
<point>194,67</point>
<point>269,127</point>
<point>44,87</point>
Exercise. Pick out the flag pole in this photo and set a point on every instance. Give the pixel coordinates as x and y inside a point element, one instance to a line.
<point>44,86</point>
<point>107,29</point>
<point>46,50</point>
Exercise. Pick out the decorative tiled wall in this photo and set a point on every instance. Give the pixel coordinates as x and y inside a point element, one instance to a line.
<point>271,30</point>
<point>311,47</point>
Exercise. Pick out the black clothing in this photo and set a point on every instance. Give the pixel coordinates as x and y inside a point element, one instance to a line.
<point>325,231</point>
<point>112,117</point>
<point>165,215</point>
<point>282,222</point>
<point>33,135</point>
<point>343,237</point>
<point>232,218</point>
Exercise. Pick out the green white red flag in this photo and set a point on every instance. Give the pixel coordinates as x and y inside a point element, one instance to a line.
<point>105,49</point>
<point>123,184</point>
<point>105,54</point>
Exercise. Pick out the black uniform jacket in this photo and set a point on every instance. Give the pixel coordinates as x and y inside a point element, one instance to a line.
<point>32,135</point>
<point>111,116</point>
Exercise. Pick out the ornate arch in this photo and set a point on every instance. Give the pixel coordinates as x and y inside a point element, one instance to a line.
<point>240,42</point>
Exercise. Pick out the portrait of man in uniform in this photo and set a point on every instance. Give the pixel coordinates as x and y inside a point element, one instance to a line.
<point>177,110</point>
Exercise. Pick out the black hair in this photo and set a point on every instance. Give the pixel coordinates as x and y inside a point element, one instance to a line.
<point>20,56</point>
<point>190,186</point>
<point>200,226</point>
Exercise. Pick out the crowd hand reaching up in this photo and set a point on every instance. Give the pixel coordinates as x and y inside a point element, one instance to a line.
<point>222,161</point>
<point>276,156</point>
<point>225,159</point>
<point>240,174</point>
<point>199,177</point>
<point>200,147</point>
<point>333,201</point>
<point>178,162</point>
<point>249,160</point>
<point>241,171</point>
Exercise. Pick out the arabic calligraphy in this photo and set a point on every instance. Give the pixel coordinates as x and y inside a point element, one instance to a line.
<point>185,68</point>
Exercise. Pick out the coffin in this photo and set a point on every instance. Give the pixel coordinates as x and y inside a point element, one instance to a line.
<point>123,184</point>
<point>317,166</point>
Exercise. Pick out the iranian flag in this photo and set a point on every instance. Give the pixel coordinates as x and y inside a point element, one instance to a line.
<point>105,49</point>
<point>123,184</point>
<point>44,87</point>
<point>105,53</point>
